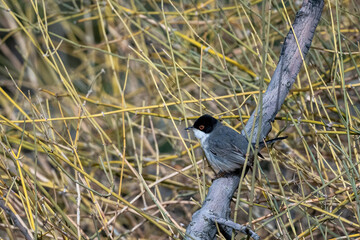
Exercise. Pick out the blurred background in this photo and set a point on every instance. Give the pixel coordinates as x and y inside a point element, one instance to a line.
<point>95,96</point>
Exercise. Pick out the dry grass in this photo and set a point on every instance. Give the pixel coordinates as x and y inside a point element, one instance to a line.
<point>95,96</point>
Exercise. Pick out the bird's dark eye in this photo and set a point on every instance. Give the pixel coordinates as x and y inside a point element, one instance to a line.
<point>201,127</point>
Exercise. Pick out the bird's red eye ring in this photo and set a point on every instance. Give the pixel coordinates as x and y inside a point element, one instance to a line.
<point>201,127</point>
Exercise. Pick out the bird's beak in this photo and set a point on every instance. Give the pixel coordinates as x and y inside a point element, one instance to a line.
<point>188,128</point>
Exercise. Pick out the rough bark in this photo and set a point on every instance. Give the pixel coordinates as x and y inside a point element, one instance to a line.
<point>217,203</point>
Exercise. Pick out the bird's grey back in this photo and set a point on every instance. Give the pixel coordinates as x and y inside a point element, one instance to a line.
<point>228,135</point>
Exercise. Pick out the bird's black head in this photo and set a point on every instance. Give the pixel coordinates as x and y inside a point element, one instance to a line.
<point>205,123</point>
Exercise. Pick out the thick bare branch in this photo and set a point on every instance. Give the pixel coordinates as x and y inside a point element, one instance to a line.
<point>288,67</point>
<point>217,202</point>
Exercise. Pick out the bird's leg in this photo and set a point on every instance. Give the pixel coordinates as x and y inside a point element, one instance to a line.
<point>220,175</point>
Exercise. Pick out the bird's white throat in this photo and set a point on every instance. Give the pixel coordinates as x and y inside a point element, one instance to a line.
<point>201,136</point>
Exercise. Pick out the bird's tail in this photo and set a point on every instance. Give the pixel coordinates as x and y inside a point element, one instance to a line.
<point>268,142</point>
<point>273,140</point>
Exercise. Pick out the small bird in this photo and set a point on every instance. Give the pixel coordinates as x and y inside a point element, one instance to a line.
<point>224,148</point>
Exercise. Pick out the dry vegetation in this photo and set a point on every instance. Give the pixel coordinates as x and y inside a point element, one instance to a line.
<point>95,96</point>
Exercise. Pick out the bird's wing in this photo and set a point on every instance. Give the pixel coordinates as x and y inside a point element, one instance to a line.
<point>229,150</point>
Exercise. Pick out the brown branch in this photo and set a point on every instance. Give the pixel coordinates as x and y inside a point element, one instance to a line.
<point>16,220</point>
<point>217,202</point>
